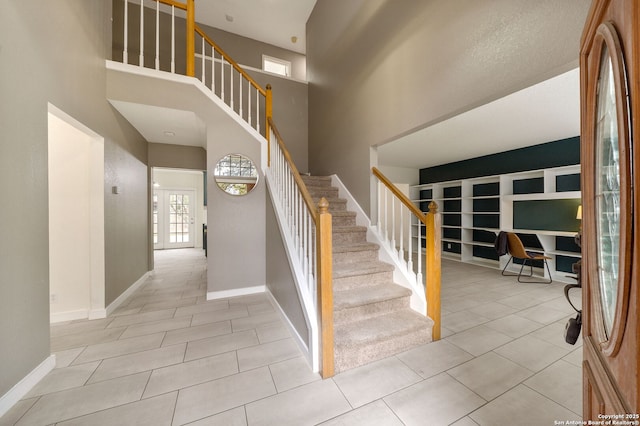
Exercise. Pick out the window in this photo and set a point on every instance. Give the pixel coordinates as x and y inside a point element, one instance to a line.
<point>276,66</point>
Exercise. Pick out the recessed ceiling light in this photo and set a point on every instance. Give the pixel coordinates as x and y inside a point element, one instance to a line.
<point>169,133</point>
<point>228,17</point>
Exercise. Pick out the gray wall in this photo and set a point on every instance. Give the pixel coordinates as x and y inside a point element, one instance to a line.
<point>235,223</point>
<point>280,280</point>
<point>54,52</point>
<point>177,156</point>
<point>379,69</point>
<point>290,114</point>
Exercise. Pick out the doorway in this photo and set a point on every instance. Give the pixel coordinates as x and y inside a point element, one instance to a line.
<point>76,219</point>
<point>178,208</point>
<point>173,218</point>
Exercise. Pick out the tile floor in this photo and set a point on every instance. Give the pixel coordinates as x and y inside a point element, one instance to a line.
<point>168,357</point>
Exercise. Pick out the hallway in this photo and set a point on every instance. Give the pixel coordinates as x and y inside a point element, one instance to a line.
<point>170,357</point>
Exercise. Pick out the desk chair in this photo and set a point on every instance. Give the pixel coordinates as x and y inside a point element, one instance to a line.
<point>516,249</point>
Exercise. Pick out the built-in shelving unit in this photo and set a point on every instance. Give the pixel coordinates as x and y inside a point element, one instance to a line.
<point>538,205</point>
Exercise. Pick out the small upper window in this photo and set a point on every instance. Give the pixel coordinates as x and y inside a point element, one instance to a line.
<point>276,66</point>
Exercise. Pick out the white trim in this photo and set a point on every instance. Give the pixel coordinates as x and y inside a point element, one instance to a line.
<point>68,316</point>
<point>20,389</point>
<point>224,294</point>
<point>302,344</point>
<point>126,294</point>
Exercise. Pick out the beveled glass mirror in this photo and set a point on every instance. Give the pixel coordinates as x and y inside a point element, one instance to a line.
<point>607,191</point>
<point>236,174</point>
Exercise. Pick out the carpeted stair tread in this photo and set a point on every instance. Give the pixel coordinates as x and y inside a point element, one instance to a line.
<point>362,268</point>
<point>380,328</point>
<point>316,180</point>
<point>355,247</point>
<point>345,299</point>
<point>347,229</point>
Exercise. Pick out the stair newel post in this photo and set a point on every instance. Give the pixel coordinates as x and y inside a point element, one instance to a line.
<point>324,275</point>
<point>268,111</point>
<point>433,265</point>
<point>191,38</point>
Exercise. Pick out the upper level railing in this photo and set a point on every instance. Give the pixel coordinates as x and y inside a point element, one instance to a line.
<point>402,226</point>
<point>308,229</point>
<point>149,29</point>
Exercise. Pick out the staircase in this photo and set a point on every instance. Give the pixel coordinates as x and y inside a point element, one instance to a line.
<point>372,317</point>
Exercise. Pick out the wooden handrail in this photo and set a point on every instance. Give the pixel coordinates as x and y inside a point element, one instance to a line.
<point>174,3</point>
<point>296,175</point>
<point>227,58</point>
<point>403,198</point>
<point>433,251</point>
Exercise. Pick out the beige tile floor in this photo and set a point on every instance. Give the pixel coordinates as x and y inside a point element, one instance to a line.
<point>168,357</point>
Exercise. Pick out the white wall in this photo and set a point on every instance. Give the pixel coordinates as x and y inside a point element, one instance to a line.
<point>76,219</point>
<point>185,179</point>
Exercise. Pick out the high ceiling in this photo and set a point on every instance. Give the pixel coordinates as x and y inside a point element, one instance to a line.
<point>270,21</point>
<point>545,112</point>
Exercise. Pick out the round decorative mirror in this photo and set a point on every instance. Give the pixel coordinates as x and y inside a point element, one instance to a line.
<point>236,174</point>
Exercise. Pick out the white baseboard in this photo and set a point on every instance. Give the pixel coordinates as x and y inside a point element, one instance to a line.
<point>97,314</point>
<point>17,392</point>
<point>223,294</point>
<point>55,317</point>
<point>126,294</point>
<point>302,344</point>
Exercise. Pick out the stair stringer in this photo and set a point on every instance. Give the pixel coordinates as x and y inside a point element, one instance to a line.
<point>418,300</point>
<point>311,349</point>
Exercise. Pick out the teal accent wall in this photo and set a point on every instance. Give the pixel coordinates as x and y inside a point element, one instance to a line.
<point>564,152</point>
<point>552,215</point>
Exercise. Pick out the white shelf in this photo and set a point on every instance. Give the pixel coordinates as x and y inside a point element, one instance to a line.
<point>547,183</point>
<point>569,195</point>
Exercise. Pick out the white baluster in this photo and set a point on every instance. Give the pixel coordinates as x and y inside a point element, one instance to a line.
<point>419,251</point>
<point>202,78</point>
<point>157,35</point>
<point>222,78</point>
<point>141,56</point>
<point>401,250</point>
<point>240,96</point>
<point>410,245</point>
<point>213,70</point>
<point>393,223</point>
<point>386,219</point>
<point>380,189</point>
<point>173,39</point>
<point>125,52</point>
<point>258,111</point>
<point>249,103</point>
<point>231,83</point>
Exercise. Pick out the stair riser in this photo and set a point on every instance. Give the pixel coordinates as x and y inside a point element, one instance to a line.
<point>366,280</point>
<point>319,192</point>
<point>343,220</point>
<point>311,181</point>
<point>355,257</point>
<point>349,237</point>
<point>357,313</point>
<point>351,357</point>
